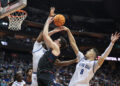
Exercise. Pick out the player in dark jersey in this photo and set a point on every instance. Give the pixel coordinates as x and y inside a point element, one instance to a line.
<point>45,72</point>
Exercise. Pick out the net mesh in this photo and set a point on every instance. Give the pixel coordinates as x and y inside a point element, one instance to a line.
<point>16,20</point>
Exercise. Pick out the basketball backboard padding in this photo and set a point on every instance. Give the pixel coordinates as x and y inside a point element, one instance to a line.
<point>5,11</point>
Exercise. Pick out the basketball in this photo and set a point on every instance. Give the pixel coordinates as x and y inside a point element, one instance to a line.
<point>59,20</point>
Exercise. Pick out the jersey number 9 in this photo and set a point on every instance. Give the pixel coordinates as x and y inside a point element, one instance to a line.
<point>81,72</point>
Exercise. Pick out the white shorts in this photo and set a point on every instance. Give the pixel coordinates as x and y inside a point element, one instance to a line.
<point>34,80</point>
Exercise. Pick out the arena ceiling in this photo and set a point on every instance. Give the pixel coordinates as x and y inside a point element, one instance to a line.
<point>95,15</point>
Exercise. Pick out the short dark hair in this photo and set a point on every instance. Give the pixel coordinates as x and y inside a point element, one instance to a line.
<point>28,70</point>
<point>63,42</point>
<point>96,51</point>
<point>16,77</point>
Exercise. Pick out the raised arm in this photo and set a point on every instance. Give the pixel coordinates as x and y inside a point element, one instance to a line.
<point>40,37</point>
<point>114,38</point>
<point>72,40</point>
<point>65,63</point>
<point>49,42</point>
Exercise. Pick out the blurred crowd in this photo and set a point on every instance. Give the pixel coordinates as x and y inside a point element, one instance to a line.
<point>9,69</point>
<point>107,75</point>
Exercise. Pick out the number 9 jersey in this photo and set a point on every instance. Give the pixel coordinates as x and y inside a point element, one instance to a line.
<point>85,70</point>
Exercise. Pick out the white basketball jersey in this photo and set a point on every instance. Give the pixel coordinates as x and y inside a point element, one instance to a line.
<point>16,83</point>
<point>38,52</point>
<point>84,72</point>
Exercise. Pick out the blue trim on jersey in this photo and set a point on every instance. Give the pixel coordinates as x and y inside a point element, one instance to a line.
<point>37,50</point>
<point>34,72</point>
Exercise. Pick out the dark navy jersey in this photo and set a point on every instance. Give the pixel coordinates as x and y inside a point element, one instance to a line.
<point>46,63</point>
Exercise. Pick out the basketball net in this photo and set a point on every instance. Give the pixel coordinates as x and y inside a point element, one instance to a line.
<point>16,20</point>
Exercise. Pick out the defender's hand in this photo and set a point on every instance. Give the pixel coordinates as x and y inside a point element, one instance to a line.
<point>115,37</point>
<point>64,28</point>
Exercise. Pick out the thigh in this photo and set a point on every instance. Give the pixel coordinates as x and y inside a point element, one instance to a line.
<point>50,81</point>
<point>34,80</point>
<point>40,82</point>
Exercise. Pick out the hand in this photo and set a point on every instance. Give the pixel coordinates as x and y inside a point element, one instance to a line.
<point>115,37</point>
<point>76,60</point>
<point>51,15</point>
<point>64,28</point>
<point>52,10</point>
<point>58,29</point>
<point>50,19</point>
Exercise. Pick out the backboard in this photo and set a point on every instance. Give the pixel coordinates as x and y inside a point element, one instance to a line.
<point>9,6</point>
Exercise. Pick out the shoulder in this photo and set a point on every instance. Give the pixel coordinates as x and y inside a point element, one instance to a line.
<point>23,81</point>
<point>80,54</point>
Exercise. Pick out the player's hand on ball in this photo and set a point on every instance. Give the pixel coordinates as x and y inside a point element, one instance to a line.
<point>52,12</point>
<point>115,37</point>
<point>64,28</point>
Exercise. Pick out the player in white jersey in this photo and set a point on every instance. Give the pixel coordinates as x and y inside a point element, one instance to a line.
<point>19,80</point>
<point>87,65</point>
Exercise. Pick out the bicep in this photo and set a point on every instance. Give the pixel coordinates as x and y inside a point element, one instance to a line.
<point>96,66</point>
<point>100,61</point>
<point>49,42</point>
<point>57,62</point>
<point>40,37</point>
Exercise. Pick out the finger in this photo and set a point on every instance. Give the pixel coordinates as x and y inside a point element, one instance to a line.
<point>116,33</point>
<point>52,8</point>
<point>112,34</point>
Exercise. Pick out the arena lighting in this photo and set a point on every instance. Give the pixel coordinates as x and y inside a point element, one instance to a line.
<point>111,58</point>
<point>4,43</point>
<point>118,59</point>
<point>4,23</point>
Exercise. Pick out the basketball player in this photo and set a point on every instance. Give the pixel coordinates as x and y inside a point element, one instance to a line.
<point>45,73</point>
<point>39,49</point>
<point>87,65</point>
<point>19,80</point>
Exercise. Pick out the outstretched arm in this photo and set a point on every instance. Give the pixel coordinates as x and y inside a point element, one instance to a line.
<point>114,38</point>
<point>49,42</point>
<point>40,37</point>
<point>65,63</point>
<point>72,40</point>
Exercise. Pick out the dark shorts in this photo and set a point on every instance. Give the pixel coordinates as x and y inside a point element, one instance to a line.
<point>46,79</point>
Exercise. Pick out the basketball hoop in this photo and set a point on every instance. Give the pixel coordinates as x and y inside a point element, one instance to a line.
<point>16,19</point>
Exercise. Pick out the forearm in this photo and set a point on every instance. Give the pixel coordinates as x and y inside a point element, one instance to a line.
<point>105,54</point>
<point>52,32</point>
<point>72,42</point>
<point>66,63</point>
<point>70,36</point>
<point>40,37</point>
<point>45,30</point>
<point>108,50</point>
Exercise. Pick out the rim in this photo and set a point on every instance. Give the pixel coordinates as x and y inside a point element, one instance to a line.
<point>22,11</point>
